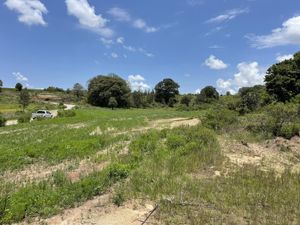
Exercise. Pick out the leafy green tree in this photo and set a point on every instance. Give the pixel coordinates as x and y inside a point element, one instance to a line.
<point>1,85</point>
<point>207,95</point>
<point>19,86</point>
<point>283,79</point>
<point>101,88</point>
<point>24,98</point>
<point>186,100</point>
<point>138,100</point>
<point>165,90</point>
<point>78,91</point>
<point>112,103</point>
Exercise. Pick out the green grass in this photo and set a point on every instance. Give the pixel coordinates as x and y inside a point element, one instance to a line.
<point>51,196</point>
<point>53,141</point>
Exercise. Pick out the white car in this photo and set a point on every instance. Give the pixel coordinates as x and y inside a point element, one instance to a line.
<point>41,114</point>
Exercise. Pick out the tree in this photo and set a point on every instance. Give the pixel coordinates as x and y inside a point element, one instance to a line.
<point>138,99</point>
<point>101,88</point>
<point>186,100</point>
<point>207,95</point>
<point>112,102</point>
<point>283,79</point>
<point>78,91</point>
<point>1,85</point>
<point>19,86</point>
<point>165,90</point>
<point>24,98</point>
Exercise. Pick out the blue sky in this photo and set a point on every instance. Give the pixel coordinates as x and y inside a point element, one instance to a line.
<point>224,43</point>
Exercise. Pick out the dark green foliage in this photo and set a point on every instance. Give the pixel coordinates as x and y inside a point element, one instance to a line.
<point>1,85</point>
<point>54,89</point>
<point>276,120</point>
<point>24,118</point>
<point>19,86</point>
<point>66,113</point>
<point>2,120</point>
<point>165,90</point>
<point>252,98</point>
<point>186,100</point>
<point>78,91</point>
<point>112,103</point>
<point>102,88</point>
<point>283,79</point>
<point>117,172</point>
<point>220,119</point>
<point>24,98</point>
<point>207,95</point>
<point>118,199</point>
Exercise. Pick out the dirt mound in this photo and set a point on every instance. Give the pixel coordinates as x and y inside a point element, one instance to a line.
<point>278,154</point>
<point>100,211</point>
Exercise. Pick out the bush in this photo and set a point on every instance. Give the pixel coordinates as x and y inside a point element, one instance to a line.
<point>220,119</point>
<point>2,121</point>
<point>276,120</point>
<point>66,113</point>
<point>24,118</point>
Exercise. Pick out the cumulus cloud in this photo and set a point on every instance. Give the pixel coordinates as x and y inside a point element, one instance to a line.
<point>249,74</point>
<point>288,34</point>
<point>21,78</point>
<point>88,19</point>
<point>120,14</point>
<point>227,16</point>
<point>281,58</point>
<point>214,63</point>
<point>137,83</point>
<point>31,11</point>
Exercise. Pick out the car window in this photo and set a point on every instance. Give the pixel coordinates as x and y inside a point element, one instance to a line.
<point>48,112</point>
<point>42,112</point>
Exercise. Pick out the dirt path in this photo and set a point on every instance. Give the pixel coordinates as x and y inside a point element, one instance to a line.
<point>100,211</point>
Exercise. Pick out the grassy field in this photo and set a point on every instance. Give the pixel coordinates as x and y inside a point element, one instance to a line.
<point>147,154</point>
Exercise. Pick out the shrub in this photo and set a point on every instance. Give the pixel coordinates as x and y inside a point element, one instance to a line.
<point>220,119</point>
<point>66,113</point>
<point>2,121</point>
<point>275,120</point>
<point>118,172</point>
<point>24,118</point>
<point>61,105</point>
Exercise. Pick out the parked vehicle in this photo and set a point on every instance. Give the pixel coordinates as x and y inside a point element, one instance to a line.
<point>42,114</point>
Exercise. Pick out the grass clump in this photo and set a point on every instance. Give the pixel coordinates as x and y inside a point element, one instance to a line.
<point>66,113</point>
<point>49,197</point>
<point>2,120</point>
<point>24,118</point>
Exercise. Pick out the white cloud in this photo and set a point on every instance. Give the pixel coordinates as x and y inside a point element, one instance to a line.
<point>107,42</point>
<point>123,15</point>
<point>281,58</point>
<point>88,19</point>
<point>229,15</point>
<point>31,11</point>
<point>120,14</point>
<point>288,34</point>
<point>249,74</point>
<point>137,83</point>
<point>120,40</point>
<point>114,55</point>
<point>214,63</point>
<point>141,24</point>
<point>21,78</point>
